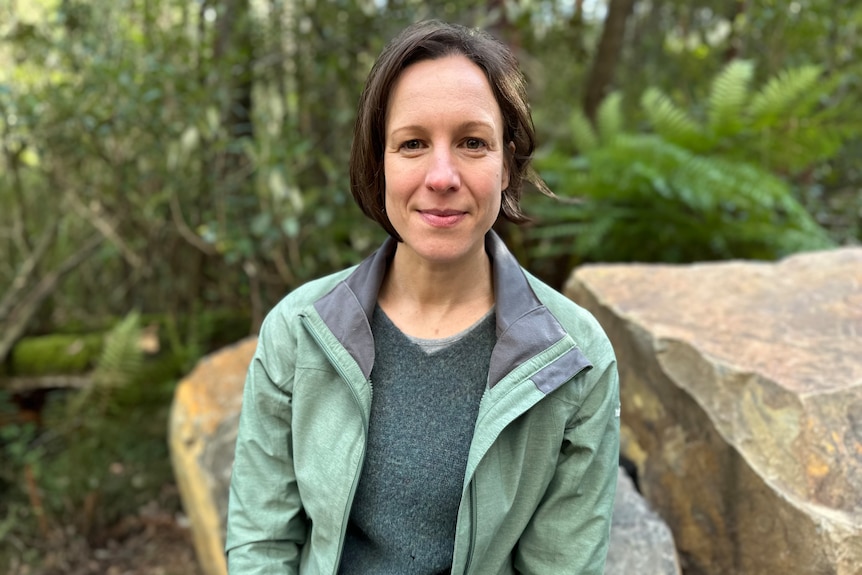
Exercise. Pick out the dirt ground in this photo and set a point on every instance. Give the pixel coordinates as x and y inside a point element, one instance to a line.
<point>154,542</point>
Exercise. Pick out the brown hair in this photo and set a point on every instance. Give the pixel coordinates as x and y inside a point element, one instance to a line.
<point>430,40</point>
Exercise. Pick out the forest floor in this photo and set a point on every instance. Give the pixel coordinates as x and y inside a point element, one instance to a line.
<point>154,541</point>
<point>92,492</point>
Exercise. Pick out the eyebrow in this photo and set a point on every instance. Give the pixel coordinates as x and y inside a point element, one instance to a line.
<point>476,124</point>
<point>467,125</point>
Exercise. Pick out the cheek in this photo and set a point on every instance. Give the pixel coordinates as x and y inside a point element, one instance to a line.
<point>399,179</point>
<point>393,189</point>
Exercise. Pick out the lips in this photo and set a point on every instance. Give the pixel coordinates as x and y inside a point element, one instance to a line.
<point>442,213</point>
<point>442,218</point>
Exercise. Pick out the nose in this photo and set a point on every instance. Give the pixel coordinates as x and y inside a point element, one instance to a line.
<point>442,174</point>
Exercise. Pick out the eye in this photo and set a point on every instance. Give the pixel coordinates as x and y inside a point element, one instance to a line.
<point>474,143</point>
<point>411,145</point>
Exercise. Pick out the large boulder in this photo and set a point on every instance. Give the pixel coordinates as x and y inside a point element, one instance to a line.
<point>203,429</point>
<point>742,405</point>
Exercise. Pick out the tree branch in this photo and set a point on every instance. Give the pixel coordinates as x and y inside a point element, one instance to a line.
<point>24,275</point>
<point>17,321</point>
<point>106,228</point>
<point>184,229</point>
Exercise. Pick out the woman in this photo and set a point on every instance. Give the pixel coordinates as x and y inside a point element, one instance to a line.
<point>435,409</point>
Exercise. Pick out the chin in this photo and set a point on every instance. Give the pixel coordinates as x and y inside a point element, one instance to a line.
<point>452,250</point>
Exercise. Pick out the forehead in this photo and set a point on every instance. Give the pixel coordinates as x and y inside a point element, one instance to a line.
<point>452,84</point>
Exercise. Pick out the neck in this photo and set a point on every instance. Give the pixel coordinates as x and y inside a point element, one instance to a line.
<point>428,300</point>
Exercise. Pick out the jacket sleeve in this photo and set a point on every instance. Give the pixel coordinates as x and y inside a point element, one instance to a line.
<point>265,524</point>
<point>570,530</point>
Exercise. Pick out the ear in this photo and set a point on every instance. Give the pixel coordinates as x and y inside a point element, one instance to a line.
<point>505,178</point>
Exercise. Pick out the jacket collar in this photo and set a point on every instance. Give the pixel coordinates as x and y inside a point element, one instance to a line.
<point>525,327</point>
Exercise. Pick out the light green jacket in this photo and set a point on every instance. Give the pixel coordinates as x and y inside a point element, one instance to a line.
<point>541,473</point>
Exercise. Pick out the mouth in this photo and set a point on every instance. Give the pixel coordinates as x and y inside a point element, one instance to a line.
<point>442,218</point>
<point>442,213</point>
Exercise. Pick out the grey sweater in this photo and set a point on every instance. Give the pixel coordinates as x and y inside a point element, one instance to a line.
<point>426,397</point>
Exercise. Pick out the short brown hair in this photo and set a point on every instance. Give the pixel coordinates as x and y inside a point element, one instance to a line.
<point>430,40</point>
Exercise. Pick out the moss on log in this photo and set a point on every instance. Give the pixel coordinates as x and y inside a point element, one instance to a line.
<point>55,354</point>
<point>64,353</point>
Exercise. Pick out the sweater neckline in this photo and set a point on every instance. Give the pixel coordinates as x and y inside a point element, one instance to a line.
<point>431,345</point>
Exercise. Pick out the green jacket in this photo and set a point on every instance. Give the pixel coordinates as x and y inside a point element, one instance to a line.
<point>541,473</point>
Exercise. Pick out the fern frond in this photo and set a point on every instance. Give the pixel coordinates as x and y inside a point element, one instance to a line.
<point>728,95</point>
<point>609,117</point>
<point>780,93</point>
<point>583,134</point>
<point>121,359</point>
<point>647,199</point>
<point>673,123</point>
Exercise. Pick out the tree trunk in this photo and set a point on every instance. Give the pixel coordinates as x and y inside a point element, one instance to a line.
<point>735,45</point>
<point>234,55</point>
<point>608,54</point>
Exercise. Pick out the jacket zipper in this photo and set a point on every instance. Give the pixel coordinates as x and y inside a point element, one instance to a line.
<point>473,528</point>
<point>355,483</point>
<point>471,544</point>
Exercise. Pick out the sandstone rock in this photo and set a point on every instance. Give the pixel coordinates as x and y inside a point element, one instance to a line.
<point>742,405</point>
<point>641,542</point>
<point>203,429</point>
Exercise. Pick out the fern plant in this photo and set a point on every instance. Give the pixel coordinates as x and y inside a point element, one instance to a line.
<point>651,200</point>
<point>698,187</point>
<point>784,126</point>
<point>120,361</point>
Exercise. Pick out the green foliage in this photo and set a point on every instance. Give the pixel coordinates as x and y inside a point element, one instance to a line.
<point>584,136</point>
<point>672,122</point>
<point>122,356</point>
<point>198,142</point>
<point>120,458</point>
<point>647,199</point>
<point>119,364</point>
<point>18,452</point>
<point>690,191</point>
<point>777,97</point>
<point>609,125</point>
<point>728,97</point>
<point>610,119</point>
<point>117,461</point>
<point>788,125</point>
<point>55,354</point>
<point>16,442</point>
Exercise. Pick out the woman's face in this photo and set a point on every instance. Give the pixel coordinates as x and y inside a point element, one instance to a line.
<point>443,160</point>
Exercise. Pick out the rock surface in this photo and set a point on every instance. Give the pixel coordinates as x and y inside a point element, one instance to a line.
<point>742,405</point>
<point>641,542</point>
<point>203,428</point>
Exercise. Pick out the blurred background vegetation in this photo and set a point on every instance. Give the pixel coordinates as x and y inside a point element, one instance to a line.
<point>169,169</point>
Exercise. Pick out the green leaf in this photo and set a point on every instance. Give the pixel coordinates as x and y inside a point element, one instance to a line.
<point>728,96</point>
<point>610,117</point>
<point>120,361</point>
<point>673,123</point>
<point>583,135</point>
<point>780,93</point>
